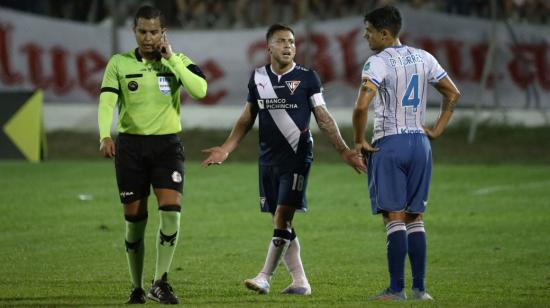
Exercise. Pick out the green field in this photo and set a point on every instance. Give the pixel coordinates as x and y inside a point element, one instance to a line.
<point>487,230</point>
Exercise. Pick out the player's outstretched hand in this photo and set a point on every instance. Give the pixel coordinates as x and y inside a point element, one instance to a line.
<point>355,160</point>
<point>216,156</point>
<point>107,147</point>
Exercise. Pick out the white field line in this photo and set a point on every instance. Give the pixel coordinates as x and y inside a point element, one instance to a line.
<point>492,189</point>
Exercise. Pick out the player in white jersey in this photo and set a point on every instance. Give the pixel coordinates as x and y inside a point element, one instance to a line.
<point>399,165</point>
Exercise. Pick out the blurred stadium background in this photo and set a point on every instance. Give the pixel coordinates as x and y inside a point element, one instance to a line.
<point>60,231</point>
<point>497,51</point>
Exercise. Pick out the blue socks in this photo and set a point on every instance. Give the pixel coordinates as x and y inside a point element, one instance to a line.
<point>397,253</point>
<point>416,239</point>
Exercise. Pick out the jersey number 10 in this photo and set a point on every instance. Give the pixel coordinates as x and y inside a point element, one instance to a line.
<point>412,87</point>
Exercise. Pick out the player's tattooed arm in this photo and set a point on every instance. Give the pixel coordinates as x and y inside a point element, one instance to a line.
<point>329,128</point>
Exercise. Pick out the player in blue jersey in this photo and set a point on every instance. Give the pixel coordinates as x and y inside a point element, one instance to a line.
<point>283,95</point>
<point>399,164</point>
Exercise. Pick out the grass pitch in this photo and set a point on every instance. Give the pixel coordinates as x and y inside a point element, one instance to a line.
<point>61,237</point>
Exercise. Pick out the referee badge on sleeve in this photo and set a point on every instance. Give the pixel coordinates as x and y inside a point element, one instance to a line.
<point>164,85</point>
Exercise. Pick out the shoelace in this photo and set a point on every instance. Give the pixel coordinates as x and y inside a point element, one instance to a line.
<point>162,290</point>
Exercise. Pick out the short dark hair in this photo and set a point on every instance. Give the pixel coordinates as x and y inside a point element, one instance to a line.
<point>277,27</point>
<point>149,12</point>
<point>387,17</point>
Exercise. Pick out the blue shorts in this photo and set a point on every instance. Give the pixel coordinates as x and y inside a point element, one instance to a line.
<point>399,173</point>
<point>285,186</point>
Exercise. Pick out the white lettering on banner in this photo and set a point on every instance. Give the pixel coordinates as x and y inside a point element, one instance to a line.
<point>66,66</point>
<point>70,68</point>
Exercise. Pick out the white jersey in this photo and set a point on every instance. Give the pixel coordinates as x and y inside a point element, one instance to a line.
<point>402,74</point>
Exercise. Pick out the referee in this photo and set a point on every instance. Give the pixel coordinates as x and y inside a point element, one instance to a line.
<point>145,85</point>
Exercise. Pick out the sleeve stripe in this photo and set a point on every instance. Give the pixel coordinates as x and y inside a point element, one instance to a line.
<point>441,76</point>
<point>109,89</point>
<point>317,100</point>
<point>196,70</point>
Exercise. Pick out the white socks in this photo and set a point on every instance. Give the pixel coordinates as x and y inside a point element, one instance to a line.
<point>277,248</point>
<point>294,265</point>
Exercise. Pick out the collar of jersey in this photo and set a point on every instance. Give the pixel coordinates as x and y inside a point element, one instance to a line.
<point>279,76</point>
<point>400,46</point>
<point>138,56</point>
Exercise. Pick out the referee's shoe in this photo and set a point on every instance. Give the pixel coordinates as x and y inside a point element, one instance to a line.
<point>162,292</point>
<point>137,296</point>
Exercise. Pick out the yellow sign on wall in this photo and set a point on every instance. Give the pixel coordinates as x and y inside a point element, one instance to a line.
<point>22,133</point>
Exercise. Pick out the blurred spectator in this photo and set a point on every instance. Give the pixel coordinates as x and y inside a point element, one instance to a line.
<point>536,11</point>
<point>268,12</point>
<point>203,13</point>
<point>31,6</point>
<point>83,11</point>
<point>223,14</point>
<point>457,7</point>
<point>481,8</point>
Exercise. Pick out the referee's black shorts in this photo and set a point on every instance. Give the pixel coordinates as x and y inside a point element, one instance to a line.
<point>142,161</point>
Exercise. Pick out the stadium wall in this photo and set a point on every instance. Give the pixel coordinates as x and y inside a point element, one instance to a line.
<point>69,67</point>
<point>83,117</point>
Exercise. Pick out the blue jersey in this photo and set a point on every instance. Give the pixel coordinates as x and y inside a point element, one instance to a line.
<point>284,104</point>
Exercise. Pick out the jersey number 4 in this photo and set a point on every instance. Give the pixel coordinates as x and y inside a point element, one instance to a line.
<point>411,94</point>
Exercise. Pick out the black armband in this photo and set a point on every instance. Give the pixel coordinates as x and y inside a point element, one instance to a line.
<point>196,70</point>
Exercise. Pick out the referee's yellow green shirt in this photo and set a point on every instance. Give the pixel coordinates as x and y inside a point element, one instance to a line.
<point>147,93</point>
